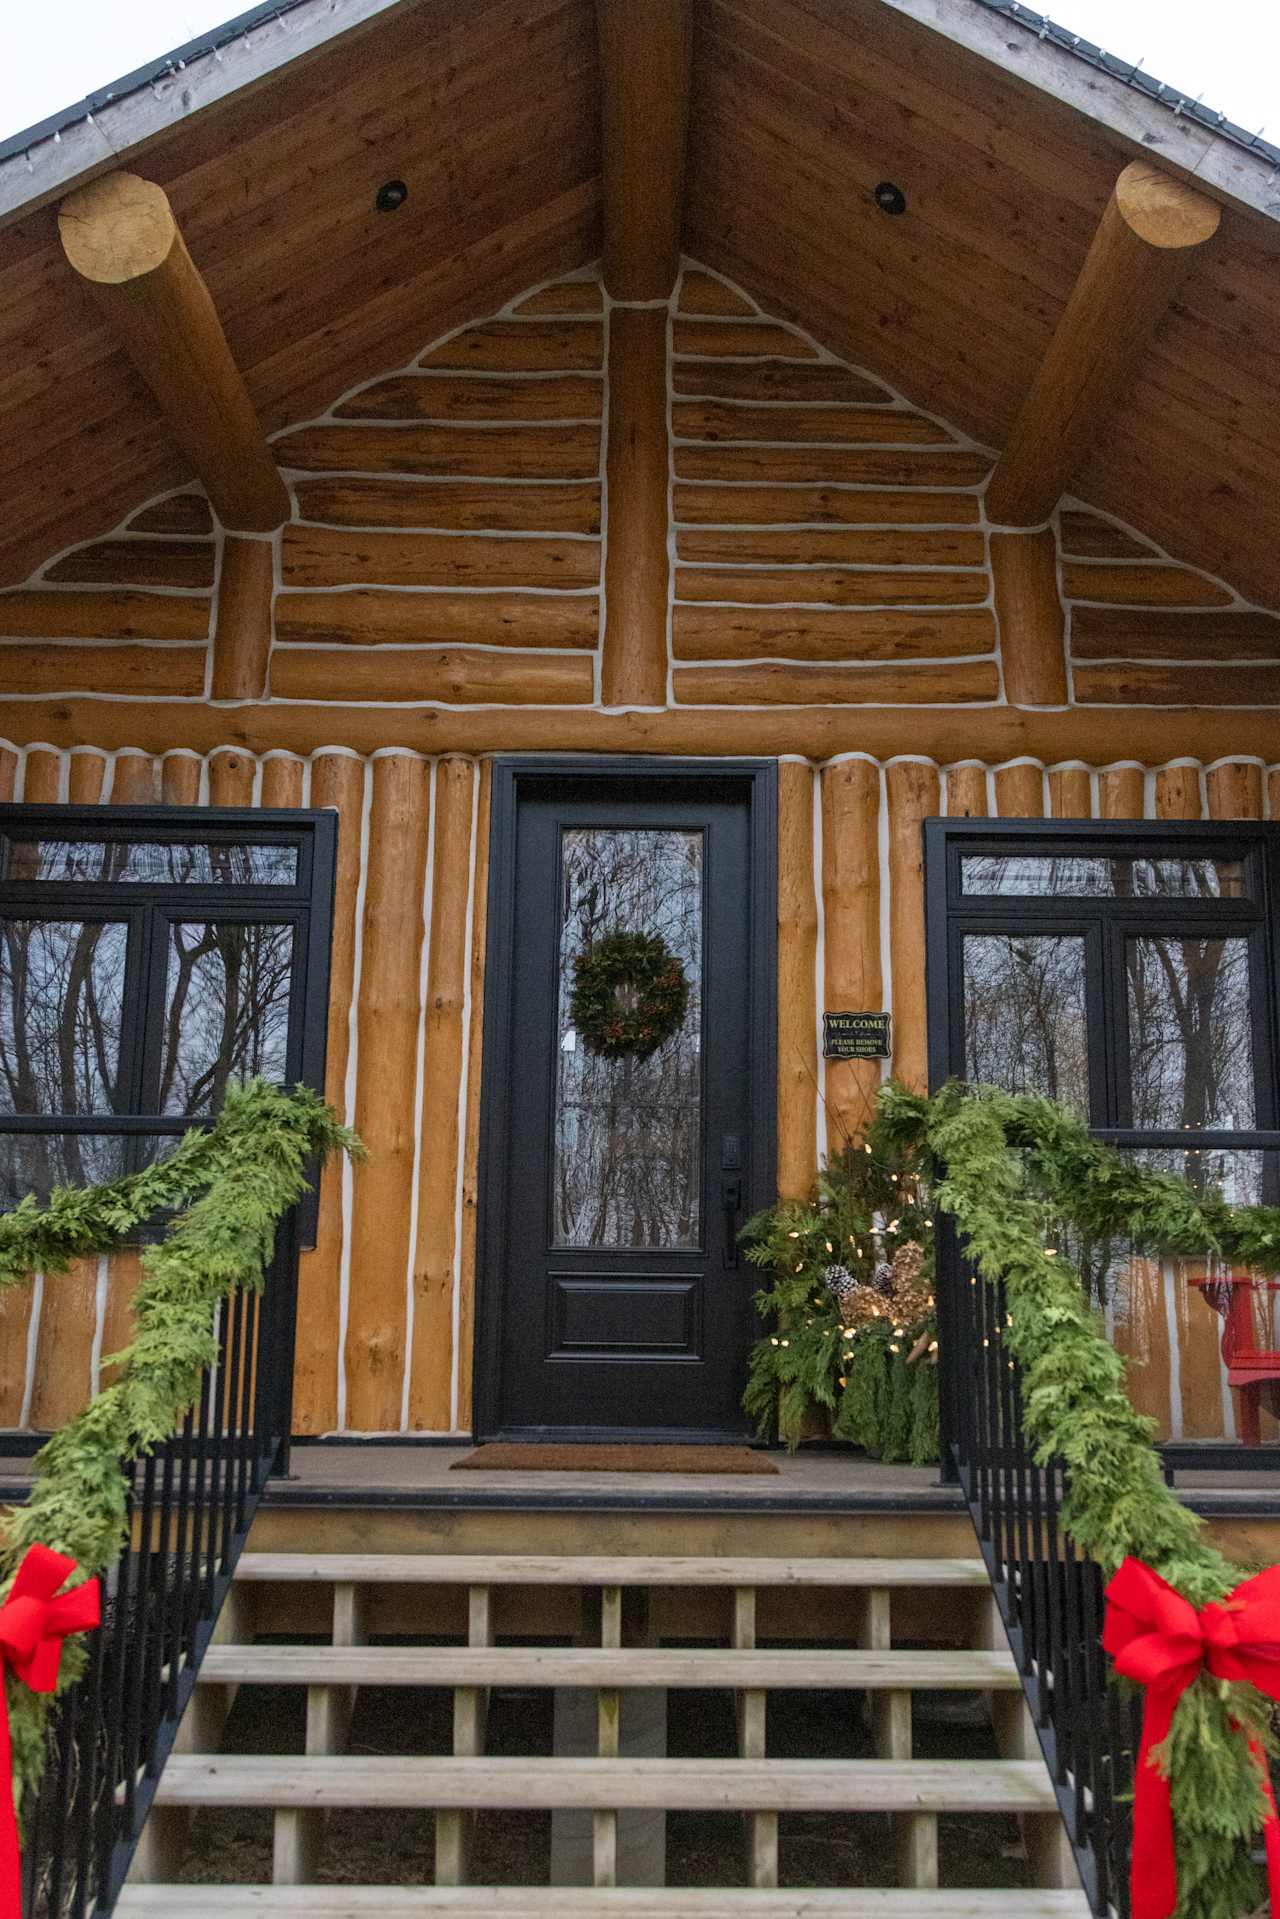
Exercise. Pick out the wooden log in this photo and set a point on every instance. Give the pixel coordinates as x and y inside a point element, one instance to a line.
<point>1127,685</point>
<point>180,779</point>
<point>1024,572</point>
<point>913,794</point>
<point>137,671</point>
<point>1178,793</point>
<point>633,669</point>
<point>1140,1333</point>
<point>966,787</point>
<point>721,421</point>
<point>1233,791</point>
<point>124,1276</point>
<point>823,586</point>
<point>105,614</point>
<point>730,340</point>
<point>42,777</point>
<point>1109,633</point>
<point>423,673</point>
<point>1152,585</point>
<point>134,780</point>
<point>1071,793</point>
<point>471,1140</point>
<point>769,684</point>
<point>1143,245</point>
<point>86,777</point>
<point>719,633</point>
<point>494,452</point>
<point>1122,793</point>
<point>565,296</point>
<point>833,465</point>
<point>853,979</point>
<point>780,380</point>
<point>818,733</point>
<point>120,235</point>
<point>523,346</point>
<point>434,1268</point>
<point>1087,537</point>
<point>178,513</point>
<point>387,1043</point>
<point>705,504</point>
<point>370,617</point>
<point>61,1382</point>
<point>481,506</point>
<point>797,984</point>
<point>9,764</point>
<point>15,1301</point>
<point>461,396</point>
<point>830,546</point>
<point>281,781</point>
<point>338,781</point>
<point>704,293</point>
<point>1020,791</point>
<point>231,779</point>
<point>313,556</point>
<point>180,563</point>
<point>645,52</point>
<point>242,631</point>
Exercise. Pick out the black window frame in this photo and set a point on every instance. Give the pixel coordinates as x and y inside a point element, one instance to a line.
<point>951,914</point>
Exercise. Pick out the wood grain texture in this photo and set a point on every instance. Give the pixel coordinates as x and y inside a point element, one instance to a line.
<point>506,346</point>
<point>434,1268</point>
<point>499,452</point>
<point>312,556</point>
<point>913,794</point>
<point>797,984</point>
<point>60,1386</point>
<point>242,632</point>
<point>1070,793</point>
<point>408,396</point>
<point>337,781</point>
<point>646,47</point>
<point>479,507</point>
<point>135,780</point>
<point>830,546</point>
<point>80,614</point>
<point>231,778</point>
<point>734,633</point>
<point>633,667</point>
<point>124,1276</point>
<point>179,513</point>
<point>853,979</point>
<point>1138,685</point>
<point>565,296</point>
<point>175,563</point>
<point>180,779</point>
<point>1020,791</point>
<point>1125,585</point>
<point>281,781</point>
<point>703,293</point>
<point>368,616</point>
<point>41,777</point>
<point>1085,536</point>
<point>452,675</point>
<point>15,1302</point>
<point>808,382</point>
<point>1121,793</point>
<point>768,683</point>
<point>387,1038</point>
<point>966,790</point>
<point>766,505</point>
<point>848,465</point>
<point>471,1137</point>
<point>1233,790</point>
<point>86,777</point>
<point>723,340</point>
<point>1177,792</point>
<point>716,420</point>
<point>822,586</point>
<point>139,671</point>
<point>1108,633</point>
<point>1024,574</point>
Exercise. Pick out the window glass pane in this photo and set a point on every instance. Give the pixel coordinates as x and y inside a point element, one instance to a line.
<point>151,862</point>
<point>61,995</point>
<point>226,1011</point>
<point>1093,876</point>
<point>1190,1032</point>
<point>37,1162</point>
<point>627,1160</point>
<point>1024,1015</point>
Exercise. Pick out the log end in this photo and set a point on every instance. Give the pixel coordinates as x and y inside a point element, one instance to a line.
<point>118,228</point>
<point>1164,211</point>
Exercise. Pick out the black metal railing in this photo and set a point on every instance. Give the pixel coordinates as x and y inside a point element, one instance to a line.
<point>1049,1594</point>
<point>191,1506</point>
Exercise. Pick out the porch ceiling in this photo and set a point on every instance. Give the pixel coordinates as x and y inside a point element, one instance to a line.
<point>490,115</point>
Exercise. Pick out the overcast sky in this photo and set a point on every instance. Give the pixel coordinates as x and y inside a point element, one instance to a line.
<point>55,52</point>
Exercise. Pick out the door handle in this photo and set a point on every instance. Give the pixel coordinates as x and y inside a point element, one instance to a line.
<point>731,1201</point>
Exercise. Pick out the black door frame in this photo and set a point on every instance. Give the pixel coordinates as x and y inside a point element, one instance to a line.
<point>512,779</point>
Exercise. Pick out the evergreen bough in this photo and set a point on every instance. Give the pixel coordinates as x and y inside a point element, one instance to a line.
<point>1007,1169</point>
<point>234,1181</point>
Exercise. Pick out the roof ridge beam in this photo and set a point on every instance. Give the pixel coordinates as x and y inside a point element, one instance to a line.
<point>120,235</point>
<point>1144,244</point>
<point>646,51</point>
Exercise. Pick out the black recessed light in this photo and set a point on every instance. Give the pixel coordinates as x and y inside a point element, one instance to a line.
<point>889,198</point>
<point>391,196</point>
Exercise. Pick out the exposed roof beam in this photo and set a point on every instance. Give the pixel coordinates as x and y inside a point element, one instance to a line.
<point>645,49</point>
<point>120,235</point>
<point>1143,246</point>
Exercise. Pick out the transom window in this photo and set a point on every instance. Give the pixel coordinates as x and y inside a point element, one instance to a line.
<point>149,958</point>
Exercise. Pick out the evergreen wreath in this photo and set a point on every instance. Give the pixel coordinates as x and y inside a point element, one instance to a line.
<point>630,994</point>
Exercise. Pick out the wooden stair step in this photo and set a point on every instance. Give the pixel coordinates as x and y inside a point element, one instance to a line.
<point>263,1665</point>
<point>627,1902</point>
<point>686,1785</point>
<point>550,1569</point>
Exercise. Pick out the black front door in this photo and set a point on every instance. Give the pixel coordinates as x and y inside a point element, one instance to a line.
<point>613,1298</point>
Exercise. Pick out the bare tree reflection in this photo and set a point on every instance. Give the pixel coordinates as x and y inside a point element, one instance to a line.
<point>1024,1015</point>
<point>226,1011</point>
<point>1190,1038</point>
<point>627,1159</point>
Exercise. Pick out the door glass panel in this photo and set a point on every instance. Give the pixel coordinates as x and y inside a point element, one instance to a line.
<point>1190,1032</point>
<point>153,862</point>
<point>61,994</point>
<point>226,1010</point>
<point>1091,876</point>
<point>627,1151</point>
<point>1024,1015</point>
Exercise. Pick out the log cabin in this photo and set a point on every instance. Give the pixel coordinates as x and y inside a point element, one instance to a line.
<point>479,478</point>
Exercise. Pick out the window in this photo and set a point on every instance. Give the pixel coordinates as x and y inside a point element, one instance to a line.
<point>1130,972</point>
<point>150,958</point>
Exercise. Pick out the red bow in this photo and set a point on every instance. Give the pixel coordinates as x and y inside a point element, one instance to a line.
<point>1157,1638</point>
<point>33,1624</point>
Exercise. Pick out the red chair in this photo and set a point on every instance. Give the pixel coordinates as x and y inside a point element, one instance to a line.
<point>1252,1371</point>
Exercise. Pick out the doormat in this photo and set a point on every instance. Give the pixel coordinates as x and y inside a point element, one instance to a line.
<point>512,1458</point>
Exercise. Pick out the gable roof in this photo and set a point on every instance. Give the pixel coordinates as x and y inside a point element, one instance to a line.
<point>1005,144</point>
